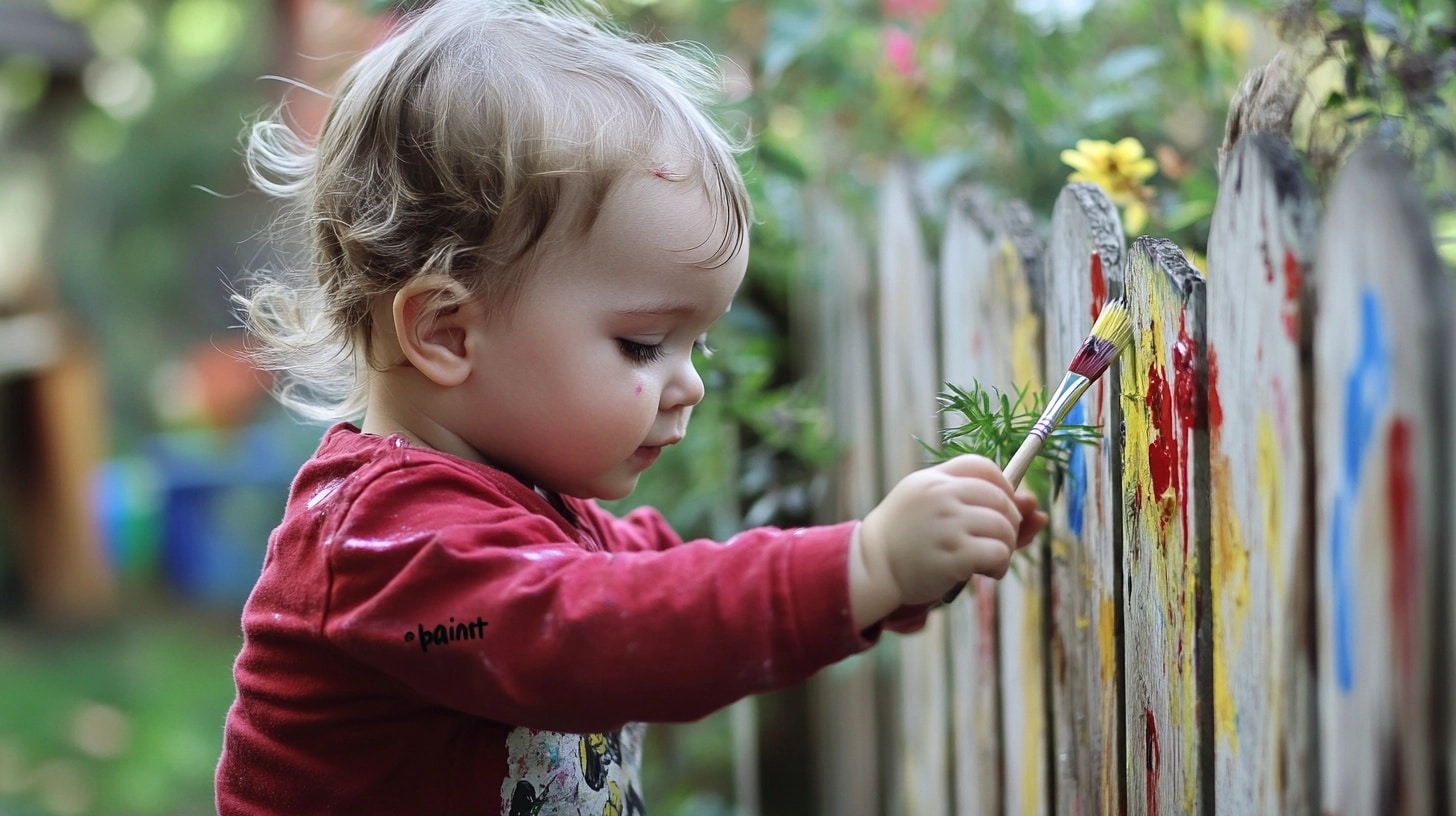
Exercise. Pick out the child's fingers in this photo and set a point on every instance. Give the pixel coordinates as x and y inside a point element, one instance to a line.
<point>1033,520</point>
<point>972,466</point>
<point>1031,524</point>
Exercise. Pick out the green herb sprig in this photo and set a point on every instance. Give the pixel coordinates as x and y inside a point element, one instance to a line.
<point>996,423</point>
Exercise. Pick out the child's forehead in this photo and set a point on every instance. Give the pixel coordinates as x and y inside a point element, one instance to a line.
<point>670,207</point>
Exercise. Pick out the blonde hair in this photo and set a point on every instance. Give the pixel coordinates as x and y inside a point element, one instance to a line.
<point>449,149</point>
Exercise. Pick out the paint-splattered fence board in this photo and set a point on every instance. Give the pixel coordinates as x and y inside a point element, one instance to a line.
<point>844,697</point>
<point>909,383</point>
<point>966,346</point>
<point>1376,442</point>
<point>1021,612</point>
<point>1084,269</point>
<point>1165,531</point>
<point>1262,565</point>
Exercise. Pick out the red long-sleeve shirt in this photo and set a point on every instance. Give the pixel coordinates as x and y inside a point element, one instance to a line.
<point>431,636</point>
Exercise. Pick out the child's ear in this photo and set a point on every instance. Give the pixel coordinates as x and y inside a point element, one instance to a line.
<point>432,317</point>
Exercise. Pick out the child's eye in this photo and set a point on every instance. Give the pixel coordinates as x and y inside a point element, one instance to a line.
<point>640,353</point>
<point>700,345</point>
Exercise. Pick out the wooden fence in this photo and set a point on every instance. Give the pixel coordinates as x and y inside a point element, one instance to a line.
<point>1242,604</point>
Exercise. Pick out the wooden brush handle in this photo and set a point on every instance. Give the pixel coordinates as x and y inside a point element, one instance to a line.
<point>1015,471</point>
<point>1021,462</point>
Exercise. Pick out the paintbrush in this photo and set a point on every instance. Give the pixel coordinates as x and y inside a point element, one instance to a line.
<point>1111,333</point>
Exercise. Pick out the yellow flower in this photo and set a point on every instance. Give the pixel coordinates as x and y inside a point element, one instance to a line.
<point>1120,170</point>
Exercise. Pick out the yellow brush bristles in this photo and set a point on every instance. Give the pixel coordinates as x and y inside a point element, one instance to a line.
<point>1111,333</point>
<point>1114,323</point>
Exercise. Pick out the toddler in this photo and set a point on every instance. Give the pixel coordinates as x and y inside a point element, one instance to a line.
<point>521,223</point>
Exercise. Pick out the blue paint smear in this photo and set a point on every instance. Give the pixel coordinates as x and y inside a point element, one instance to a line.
<point>1366,392</point>
<point>1076,474</point>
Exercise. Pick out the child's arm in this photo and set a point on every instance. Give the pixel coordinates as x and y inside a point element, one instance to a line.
<point>935,528</point>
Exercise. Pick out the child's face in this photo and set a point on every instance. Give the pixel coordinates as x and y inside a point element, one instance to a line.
<point>591,374</point>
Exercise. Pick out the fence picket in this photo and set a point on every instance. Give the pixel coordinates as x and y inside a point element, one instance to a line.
<point>1376,446</point>
<point>1262,564</point>
<point>909,383</point>
<point>1165,553</point>
<point>847,778</point>
<point>1021,615</point>
<point>1084,269</point>
<point>966,347</point>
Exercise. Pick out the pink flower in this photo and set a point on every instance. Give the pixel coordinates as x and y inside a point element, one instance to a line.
<point>900,51</point>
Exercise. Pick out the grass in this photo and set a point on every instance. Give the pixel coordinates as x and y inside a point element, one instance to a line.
<point>122,720</point>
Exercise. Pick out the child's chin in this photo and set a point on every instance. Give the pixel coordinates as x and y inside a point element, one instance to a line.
<point>604,490</point>
<point>614,492</point>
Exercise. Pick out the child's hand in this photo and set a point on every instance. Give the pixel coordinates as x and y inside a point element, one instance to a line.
<point>938,527</point>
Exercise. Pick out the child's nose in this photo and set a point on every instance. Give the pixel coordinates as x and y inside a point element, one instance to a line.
<point>684,388</point>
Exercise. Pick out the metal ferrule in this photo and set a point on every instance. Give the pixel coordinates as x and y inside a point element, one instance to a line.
<point>1072,388</point>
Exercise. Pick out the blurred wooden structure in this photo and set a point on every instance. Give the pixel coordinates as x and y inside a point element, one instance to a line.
<point>1243,604</point>
<point>51,401</point>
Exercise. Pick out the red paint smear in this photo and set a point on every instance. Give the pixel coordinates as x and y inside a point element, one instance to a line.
<point>1185,377</point>
<point>1403,554</point>
<point>1174,414</point>
<point>1099,286</point>
<point>1163,459</point>
<point>1293,286</point>
<point>1185,392</point>
<point>1152,758</point>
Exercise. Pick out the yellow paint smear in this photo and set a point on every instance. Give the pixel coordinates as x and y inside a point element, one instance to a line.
<point>1271,489</point>
<point>1162,572</point>
<point>1107,637</point>
<point>1230,576</point>
<point>1032,747</point>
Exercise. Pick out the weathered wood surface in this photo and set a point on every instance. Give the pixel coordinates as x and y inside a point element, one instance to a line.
<point>1165,532</point>
<point>1084,269</point>
<point>847,735</point>
<point>909,382</point>
<point>1377,493</point>
<point>1446,633</point>
<point>1262,567</point>
<point>969,351</point>
<point>1021,616</point>
<point>1248,606</point>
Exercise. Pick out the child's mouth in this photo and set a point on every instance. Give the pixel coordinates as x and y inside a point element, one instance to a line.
<point>644,456</point>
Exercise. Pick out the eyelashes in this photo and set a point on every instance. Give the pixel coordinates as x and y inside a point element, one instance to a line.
<point>647,353</point>
<point>640,353</point>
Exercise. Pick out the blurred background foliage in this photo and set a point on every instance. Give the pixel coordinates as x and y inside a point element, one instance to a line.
<point>123,169</point>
